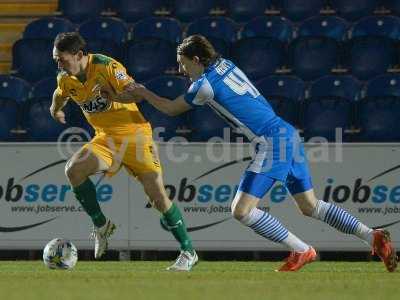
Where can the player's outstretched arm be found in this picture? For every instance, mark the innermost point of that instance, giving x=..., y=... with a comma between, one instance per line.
x=57, y=104
x=167, y=106
x=126, y=96
x=134, y=93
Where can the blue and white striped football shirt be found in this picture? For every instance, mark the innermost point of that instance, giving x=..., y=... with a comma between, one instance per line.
x=228, y=91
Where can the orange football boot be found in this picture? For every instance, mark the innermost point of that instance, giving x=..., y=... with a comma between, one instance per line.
x=297, y=260
x=382, y=246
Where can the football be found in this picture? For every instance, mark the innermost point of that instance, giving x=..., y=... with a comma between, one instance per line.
x=60, y=254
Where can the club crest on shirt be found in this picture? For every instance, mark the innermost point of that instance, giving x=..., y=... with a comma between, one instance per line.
x=120, y=75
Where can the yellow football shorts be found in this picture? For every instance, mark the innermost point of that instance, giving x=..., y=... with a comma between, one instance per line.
x=135, y=151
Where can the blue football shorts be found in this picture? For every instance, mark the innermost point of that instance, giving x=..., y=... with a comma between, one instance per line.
x=279, y=156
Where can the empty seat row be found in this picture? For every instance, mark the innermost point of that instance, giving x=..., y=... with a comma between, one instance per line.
x=335, y=120
x=222, y=28
x=370, y=51
x=240, y=10
x=32, y=119
x=287, y=87
x=331, y=102
x=144, y=59
x=306, y=57
x=326, y=119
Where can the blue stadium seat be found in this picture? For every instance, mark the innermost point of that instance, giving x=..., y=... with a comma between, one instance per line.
x=354, y=9
x=384, y=86
x=287, y=110
x=75, y=118
x=299, y=10
x=270, y=27
x=284, y=93
x=323, y=115
x=335, y=96
x=73, y=113
x=149, y=58
x=14, y=88
x=277, y=4
x=328, y=26
x=378, y=119
x=44, y=88
x=221, y=4
x=158, y=27
x=105, y=28
x=40, y=125
x=313, y=57
x=393, y=5
x=372, y=48
x=205, y=124
x=38, y=64
x=341, y=86
x=111, y=4
x=189, y=10
x=383, y=26
x=133, y=11
x=258, y=57
x=220, y=46
x=47, y=28
x=288, y=87
x=8, y=118
x=77, y=12
x=245, y=10
x=217, y=27
x=169, y=87
x=105, y=47
x=370, y=56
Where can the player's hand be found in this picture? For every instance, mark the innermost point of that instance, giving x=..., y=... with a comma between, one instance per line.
x=104, y=91
x=59, y=116
x=136, y=91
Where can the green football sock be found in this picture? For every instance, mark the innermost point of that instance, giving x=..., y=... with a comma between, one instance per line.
x=177, y=226
x=86, y=195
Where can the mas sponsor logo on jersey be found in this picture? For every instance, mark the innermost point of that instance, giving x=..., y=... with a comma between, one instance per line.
x=99, y=104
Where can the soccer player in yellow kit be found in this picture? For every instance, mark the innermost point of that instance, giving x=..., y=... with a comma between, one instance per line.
x=123, y=138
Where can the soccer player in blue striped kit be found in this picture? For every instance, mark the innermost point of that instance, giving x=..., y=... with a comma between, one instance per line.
x=279, y=153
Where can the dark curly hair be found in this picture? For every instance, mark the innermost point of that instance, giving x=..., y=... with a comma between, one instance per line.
x=71, y=42
x=198, y=45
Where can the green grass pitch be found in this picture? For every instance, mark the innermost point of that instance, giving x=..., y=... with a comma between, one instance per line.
x=209, y=280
